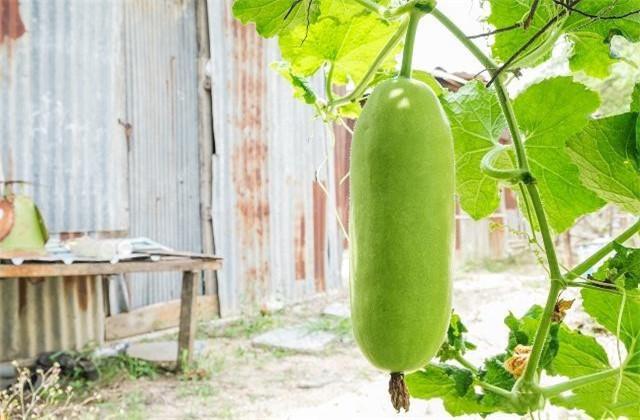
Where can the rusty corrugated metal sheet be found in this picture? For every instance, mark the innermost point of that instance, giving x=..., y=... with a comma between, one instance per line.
x=273, y=222
x=162, y=109
x=61, y=94
x=49, y=315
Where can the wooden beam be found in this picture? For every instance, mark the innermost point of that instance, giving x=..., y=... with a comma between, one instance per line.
x=97, y=269
x=188, y=318
x=156, y=317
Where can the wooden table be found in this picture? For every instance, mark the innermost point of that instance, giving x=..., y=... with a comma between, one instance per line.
x=189, y=266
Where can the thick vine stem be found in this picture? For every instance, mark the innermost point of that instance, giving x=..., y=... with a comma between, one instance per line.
x=488, y=166
x=557, y=389
x=584, y=266
x=557, y=281
x=465, y=363
x=398, y=391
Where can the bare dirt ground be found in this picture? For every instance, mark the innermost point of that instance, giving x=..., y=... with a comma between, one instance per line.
x=247, y=382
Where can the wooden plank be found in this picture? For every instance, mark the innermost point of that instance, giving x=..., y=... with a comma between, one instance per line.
x=94, y=269
x=188, y=318
x=156, y=317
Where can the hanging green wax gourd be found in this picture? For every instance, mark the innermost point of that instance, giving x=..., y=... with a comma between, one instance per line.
x=401, y=225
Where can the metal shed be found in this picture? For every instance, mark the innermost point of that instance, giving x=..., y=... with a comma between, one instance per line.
x=106, y=109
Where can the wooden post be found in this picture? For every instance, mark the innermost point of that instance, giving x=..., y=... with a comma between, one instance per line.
x=188, y=318
x=205, y=141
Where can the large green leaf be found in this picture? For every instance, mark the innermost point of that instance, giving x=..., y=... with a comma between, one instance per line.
x=505, y=13
x=623, y=268
x=345, y=35
x=477, y=124
x=273, y=17
x=616, y=396
x=590, y=54
x=635, y=99
x=629, y=26
x=578, y=354
x=548, y=114
x=606, y=153
x=455, y=387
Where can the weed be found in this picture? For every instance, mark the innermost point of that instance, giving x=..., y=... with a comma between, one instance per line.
x=338, y=326
x=41, y=394
x=112, y=367
x=242, y=328
x=200, y=390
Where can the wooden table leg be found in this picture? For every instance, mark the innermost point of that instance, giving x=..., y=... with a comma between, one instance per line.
x=188, y=318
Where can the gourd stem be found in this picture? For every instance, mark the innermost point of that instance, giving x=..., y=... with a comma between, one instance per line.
x=488, y=166
x=465, y=363
x=409, y=42
x=557, y=389
x=584, y=266
x=557, y=282
x=382, y=55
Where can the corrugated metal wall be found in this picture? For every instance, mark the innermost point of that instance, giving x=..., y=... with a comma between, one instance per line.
x=273, y=222
x=162, y=108
x=61, y=94
x=49, y=315
x=60, y=99
x=98, y=107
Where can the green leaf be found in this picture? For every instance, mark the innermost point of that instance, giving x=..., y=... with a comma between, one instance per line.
x=456, y=342
x=350, y=110
x=606, y=153
x=590, y=54
x=477, y=124
x=549, y=113
x=273, y=17
x=522, y=330
x=597, y=400
x=344, y=35
x=616, y=396
x=301, y=88
x=605, y=309
x=628, y=26
x=635, y=99
x=494, y=373
x=505, y=13
x=578, y=354
x=635, y=107
x=623, y=268
x=455, y=387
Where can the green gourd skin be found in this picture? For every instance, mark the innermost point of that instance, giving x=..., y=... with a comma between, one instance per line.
x=401, y=225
